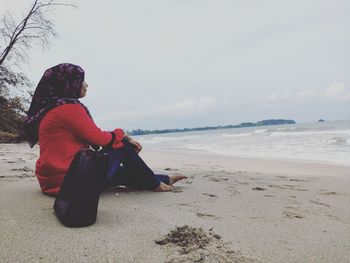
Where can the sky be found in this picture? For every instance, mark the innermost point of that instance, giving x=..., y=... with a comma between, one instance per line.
x=160, y=64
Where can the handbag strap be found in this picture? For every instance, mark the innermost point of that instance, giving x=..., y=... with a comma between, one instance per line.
x=109, y=145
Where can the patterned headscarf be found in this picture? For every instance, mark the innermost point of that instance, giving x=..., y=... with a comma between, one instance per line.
x=59, y=85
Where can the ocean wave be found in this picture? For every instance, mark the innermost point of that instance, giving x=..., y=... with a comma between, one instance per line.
x=338, y=141
x=235, y=135
x=286, y=128
x=311, y=133
x=246, y=134
x=279, y=153
x=162, y=139
x=261, y=131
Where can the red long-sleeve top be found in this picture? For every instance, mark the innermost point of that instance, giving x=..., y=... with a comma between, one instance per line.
x=64, y=131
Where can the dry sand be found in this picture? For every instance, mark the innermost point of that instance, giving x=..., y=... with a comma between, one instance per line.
x=248, y=211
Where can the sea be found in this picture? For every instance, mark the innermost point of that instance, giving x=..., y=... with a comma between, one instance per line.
x=321, y=142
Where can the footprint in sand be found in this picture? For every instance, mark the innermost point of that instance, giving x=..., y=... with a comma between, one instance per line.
x=292, y=212
x=171, y=169
x=256, y=217
x=218, y=179
x=202, y=215
x=301, y=189
x=24, y=175
x=24, y=169
x=185, y=204
x=210, y=195
x=176, y=190
x=298, y=180
x=277, y=186
x=233, y=190
x=326, y=192
x=257, y=188
x=237, y=173
x=255, y=178
x=241, y=183
x=287, y=187
x=317, y=202
x=333, y=217
x=281, y=176
x=215, y=180
x=189, y=180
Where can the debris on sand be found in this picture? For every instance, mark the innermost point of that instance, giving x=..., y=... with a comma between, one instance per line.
x=198, y=245
x=187, y=238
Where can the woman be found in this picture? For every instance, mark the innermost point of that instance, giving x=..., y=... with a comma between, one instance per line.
x=63, y=126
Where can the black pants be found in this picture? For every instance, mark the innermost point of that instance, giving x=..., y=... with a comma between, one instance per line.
x=125, y=167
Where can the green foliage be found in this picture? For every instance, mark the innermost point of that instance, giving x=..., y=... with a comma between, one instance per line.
x=12, y=105
x=274, y=122
x=10, y=80
x=11, y=122
x=6, y=137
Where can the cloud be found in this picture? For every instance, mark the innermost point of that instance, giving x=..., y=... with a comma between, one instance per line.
x=336, y=92
x=307, y=93
x=276, y=96
x=183, y=108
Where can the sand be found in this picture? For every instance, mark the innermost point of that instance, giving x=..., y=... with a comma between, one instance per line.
x=248, y=210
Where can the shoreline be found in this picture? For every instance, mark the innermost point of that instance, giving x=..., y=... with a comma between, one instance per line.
x=252, y=157
x=270, y=165
x=263, y=210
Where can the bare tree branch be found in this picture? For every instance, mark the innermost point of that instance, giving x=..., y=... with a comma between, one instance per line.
x=34, y=28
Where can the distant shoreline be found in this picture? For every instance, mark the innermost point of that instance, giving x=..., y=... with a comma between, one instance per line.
x=242, y=125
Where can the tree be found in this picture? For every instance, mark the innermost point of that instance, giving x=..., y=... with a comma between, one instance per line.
x=35, y=28
x=11, y=122
x=16, y=38
x=12, y=106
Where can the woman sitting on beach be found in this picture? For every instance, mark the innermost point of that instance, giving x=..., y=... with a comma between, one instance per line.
x=63, y=126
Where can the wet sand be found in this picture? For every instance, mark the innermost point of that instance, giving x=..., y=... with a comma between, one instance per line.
x=238, y=210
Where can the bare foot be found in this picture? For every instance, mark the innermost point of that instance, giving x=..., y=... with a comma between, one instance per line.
x=176, y=177
x=163, y=188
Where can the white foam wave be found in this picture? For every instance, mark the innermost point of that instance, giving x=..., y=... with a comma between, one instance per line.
x=286, y=128
x=339, y=141
x=260, y=131
x=311, y=133
x=162, y=139
x=234, y=135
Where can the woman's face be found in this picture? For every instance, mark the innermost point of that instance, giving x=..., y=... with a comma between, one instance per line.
x=83, y=90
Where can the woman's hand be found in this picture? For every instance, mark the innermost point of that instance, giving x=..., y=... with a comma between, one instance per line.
x=137, y=145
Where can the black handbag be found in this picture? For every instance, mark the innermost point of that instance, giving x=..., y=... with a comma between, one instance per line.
x=77, y=201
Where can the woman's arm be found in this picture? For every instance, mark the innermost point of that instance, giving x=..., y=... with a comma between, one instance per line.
x=75, y=119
